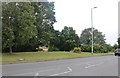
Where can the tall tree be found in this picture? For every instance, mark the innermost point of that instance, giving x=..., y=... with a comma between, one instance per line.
x=69, y=39
x=55, y=39
x=45, y=19
x=18, y=23
x=86, y=37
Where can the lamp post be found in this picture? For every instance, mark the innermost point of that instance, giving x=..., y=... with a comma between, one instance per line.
x=92, y=26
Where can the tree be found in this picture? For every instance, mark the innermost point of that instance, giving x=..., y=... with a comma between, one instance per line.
x=86, y=37
x=45, y=19
x=55, y=41
x=119, y=42
x=68, y=38
x=18, y=24
x=115, y=46
x=27, y=25
x=98, y=41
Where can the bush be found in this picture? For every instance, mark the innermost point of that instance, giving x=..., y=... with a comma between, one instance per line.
x=97, y=48
x=51, y=48
x=86, y=48
x=77, y=49
x=104, y=49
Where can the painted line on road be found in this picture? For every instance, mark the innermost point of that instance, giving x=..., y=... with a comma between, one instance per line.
x=89, y=65
x=37, y=74
x=36, y=71
x=69, y=70
x=62, y=65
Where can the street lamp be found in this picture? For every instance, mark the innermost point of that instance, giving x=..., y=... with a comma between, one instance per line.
x=92, y=25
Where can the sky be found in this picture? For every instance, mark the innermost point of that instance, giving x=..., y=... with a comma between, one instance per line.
x=77, y=14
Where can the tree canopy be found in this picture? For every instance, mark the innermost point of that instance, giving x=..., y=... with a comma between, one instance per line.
x=86, y=37
x=28, y=25
x=69, y=39
x=18, y=24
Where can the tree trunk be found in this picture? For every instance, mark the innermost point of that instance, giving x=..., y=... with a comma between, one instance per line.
x=10, y=50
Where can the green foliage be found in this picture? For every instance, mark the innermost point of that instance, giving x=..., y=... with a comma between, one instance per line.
x=119, y=42
x=18, y=24
x=115, y=46
x=27, y=25
x=68, y=39
x=98, y=40
x=52, y=48
x=86, y=48
x=77, y=50
x=86, y=37
x=97, y=48
x=100, y=48
x=45, y=19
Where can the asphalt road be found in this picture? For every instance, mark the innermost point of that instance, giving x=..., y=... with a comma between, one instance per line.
x=91, y=66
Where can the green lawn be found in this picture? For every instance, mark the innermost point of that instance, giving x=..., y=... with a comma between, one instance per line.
x=42, y=56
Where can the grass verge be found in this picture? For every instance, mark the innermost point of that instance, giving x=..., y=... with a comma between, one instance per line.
x=43, y=56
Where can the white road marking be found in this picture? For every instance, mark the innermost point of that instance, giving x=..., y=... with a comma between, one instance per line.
x=37, y=74
x=60, y=65
x=89, y=65
x=36, y=71
x=69, y=70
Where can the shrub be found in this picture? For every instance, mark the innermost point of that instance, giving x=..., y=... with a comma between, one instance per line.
x=104, y=49
x=97, y=48
x=51, y=48
x=77, y=49
x=86, y=48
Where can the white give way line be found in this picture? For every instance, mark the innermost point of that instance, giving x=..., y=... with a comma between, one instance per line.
x=69, y=70
x=89, y=65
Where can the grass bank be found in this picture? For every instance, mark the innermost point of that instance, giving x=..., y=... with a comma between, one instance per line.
x=43, y=56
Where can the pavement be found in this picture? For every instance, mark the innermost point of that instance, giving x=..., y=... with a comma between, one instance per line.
x=91, y=66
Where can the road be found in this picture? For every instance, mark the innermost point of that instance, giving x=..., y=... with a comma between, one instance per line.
x=91, y=66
